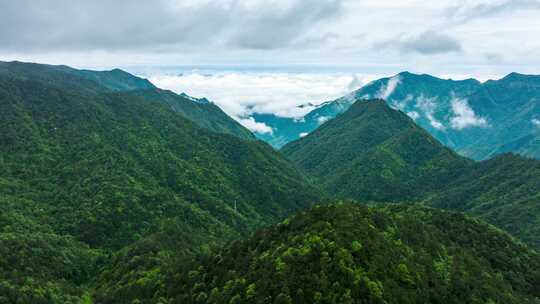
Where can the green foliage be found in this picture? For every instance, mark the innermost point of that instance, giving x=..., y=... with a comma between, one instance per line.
x=201, y=112
x=376, y=154
x=44, y=268
x=410, y=254
x=504, y=190
x=113, y=191
x=95, y=172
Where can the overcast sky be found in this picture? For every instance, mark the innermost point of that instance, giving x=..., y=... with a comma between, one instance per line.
x=447, y=37
x=300, y=50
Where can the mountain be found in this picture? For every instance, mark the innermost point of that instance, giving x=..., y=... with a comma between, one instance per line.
x=202, y=112
x=528, y=145
x=87, y=171
x=350, y=253
x=504, y=190
x=478, y=120
x=375, y=153
x=512, y=105
x=403, y=91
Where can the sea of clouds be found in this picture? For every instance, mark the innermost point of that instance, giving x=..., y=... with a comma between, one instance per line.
x=241, y=93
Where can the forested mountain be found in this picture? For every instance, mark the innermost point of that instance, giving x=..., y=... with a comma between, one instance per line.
x=504, y=190
x=86, y=171
x=478, y=120
x=350, y=253
x=115, y=191
x=202, y=112
x=375, y=153
x=512, y=107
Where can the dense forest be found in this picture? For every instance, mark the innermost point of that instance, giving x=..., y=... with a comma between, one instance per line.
x=115, y=191
x=349, y=253
x=383, y=156
x=86, y=172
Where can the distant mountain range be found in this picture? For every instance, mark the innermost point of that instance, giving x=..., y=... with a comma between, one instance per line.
x=478, y=120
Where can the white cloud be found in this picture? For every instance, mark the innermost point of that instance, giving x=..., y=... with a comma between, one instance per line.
x=323, y=119
x=536, y=122
x=242, y=93
x=402, y=104
x=304, y=134
x=414, y=115
x=125, y=33
x=355, y=84
x=464, y=116
x=428, y=106
x=387, y=90
x=254, y=126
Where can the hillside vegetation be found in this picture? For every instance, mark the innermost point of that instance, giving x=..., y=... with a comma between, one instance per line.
x=378, y=154
x=349, y=253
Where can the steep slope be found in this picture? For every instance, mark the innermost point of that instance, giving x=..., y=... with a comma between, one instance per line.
x=512, y=104
x=115, y=80
x=375, y=153
x=107, y=169
x=528, y=146
x=118, y=150
x=504, y=190
x=355, y=254
x=66, y=77
x=202, y=112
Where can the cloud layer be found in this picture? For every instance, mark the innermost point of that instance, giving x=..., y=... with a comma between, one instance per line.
x=458, y=38
x=160, y=25
x=241, y=93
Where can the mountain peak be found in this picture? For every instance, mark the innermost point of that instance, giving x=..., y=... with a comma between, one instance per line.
x=371, y=141
x=370, y=106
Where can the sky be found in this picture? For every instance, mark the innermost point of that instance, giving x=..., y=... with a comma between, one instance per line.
x=273, y=54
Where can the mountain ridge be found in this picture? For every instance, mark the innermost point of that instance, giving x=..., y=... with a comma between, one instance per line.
x=378, y=154
x=202, y=112
x=459, y=113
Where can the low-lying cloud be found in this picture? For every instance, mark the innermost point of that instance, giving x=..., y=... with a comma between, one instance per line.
x=239, y=93
x=388, y=89
x=254, y=126
x=464, y=116
x=428, y=106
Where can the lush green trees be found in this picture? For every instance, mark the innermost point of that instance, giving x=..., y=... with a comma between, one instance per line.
x=109, y=194
x=349, y=253
x=90, y=171
x=376, y=154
